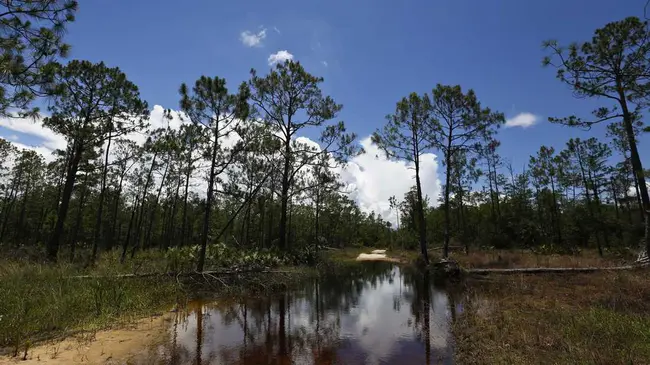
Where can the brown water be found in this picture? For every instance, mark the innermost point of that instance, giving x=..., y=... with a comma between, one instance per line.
x=383, y=316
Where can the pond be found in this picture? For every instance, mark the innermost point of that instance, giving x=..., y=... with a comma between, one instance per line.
x=386, y=315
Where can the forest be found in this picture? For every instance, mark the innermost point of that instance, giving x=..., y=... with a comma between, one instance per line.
x=227, y=183
x=227, y=168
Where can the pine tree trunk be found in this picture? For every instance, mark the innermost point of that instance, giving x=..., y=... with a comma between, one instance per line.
x=422, y=228
x=154, y=209
x=284, y=197
x=185, y=194
x=53, y=243
x=590, y=208
x=23, y=233
x=556, y=214
x=9, y=205
x=172, y=230
x=77, y=225
x=208, y=204
x=100, y=208
x=115, y=214
x=125, y=246
x=636, y=165
x=138, y=232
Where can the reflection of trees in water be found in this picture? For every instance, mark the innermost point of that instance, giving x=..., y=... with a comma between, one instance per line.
x=277, y=339
x=302, y=326
x=421, y=308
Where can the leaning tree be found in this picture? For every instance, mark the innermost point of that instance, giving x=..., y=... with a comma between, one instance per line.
x=92, y=102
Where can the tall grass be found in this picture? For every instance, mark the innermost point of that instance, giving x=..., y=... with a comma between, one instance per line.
x=597, y=318
x=40, y=301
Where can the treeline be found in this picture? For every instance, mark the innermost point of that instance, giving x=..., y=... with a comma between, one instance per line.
x=263, y=188
x=564, y=199
x=234, y=171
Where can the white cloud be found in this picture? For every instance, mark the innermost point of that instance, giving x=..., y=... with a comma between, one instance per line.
x=277, y=30
x=46, y=140
x=373, y=179
x=325, y=63
x=279, y=56
x=251, y=39
x=523, y=120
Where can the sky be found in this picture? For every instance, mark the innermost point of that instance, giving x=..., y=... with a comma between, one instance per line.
x=370, y=53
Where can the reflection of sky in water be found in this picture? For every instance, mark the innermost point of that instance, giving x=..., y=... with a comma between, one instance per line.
x=379, y=329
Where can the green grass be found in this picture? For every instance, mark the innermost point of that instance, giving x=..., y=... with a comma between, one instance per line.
x=42, y=301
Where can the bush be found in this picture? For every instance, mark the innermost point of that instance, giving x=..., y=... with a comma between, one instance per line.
x=219, y=256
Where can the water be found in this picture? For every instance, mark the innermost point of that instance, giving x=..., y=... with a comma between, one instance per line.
x=384, y=316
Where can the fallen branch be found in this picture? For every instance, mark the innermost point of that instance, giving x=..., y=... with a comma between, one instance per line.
x=183, y=274
x=438, y=248
x=541, y=270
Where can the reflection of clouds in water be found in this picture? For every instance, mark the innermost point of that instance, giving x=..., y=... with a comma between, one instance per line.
x=439, y=320
x=375, y=324
x=375, y=330
x=383, y=331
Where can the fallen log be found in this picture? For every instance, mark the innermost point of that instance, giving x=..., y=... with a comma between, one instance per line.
x=541, y=270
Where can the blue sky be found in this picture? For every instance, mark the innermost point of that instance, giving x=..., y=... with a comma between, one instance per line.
x=376, y=51
x=371, y=53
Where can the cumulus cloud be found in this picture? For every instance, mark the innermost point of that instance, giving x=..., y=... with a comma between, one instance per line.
x=523, y=120
x=279, y=57
x=373, y=179
x=251, y=39
x=45, y=140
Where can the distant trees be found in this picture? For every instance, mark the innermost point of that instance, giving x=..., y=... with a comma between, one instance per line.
x=234, y=167
x=451, y=122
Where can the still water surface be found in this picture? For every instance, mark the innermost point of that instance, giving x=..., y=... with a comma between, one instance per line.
x=384, y=316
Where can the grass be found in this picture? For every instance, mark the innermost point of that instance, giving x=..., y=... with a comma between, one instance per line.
x=496, y=258
x=526, y=258
x=597, y=318
x=41, y=301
